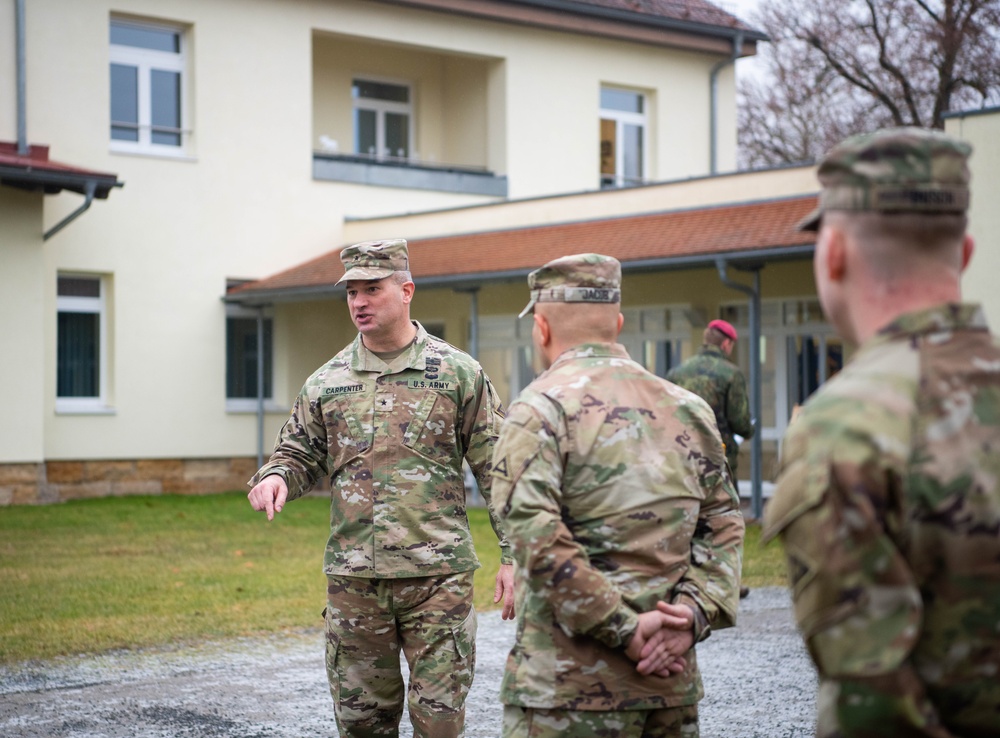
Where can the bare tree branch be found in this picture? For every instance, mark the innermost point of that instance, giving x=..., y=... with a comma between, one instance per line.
x=838, y=67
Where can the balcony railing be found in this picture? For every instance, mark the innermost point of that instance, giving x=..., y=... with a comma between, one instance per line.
x=404, y=173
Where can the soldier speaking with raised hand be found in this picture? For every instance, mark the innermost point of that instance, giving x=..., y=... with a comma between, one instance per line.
x=625, y=525
x=888, y=500
x=389, y=420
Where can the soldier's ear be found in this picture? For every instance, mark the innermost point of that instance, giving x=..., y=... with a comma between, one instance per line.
x=543, y=328
x=407, y=288
x=621, y=322
x=835, y=263
x=968, y=248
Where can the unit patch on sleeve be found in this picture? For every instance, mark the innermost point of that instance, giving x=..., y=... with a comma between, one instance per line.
x=500, y=469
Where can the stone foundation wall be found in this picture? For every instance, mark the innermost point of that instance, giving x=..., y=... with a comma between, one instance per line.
x=58, y=481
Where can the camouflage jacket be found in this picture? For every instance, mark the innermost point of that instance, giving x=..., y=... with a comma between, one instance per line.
x=392, y=438
x=613, y=487
x=713, y=377
x=888, y=505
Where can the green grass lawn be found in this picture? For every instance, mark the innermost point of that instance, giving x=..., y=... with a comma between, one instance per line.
x=94, y=575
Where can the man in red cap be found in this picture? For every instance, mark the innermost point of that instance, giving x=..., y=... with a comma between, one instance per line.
x=711, y=375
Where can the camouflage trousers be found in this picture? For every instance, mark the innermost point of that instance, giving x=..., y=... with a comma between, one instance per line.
x=369, y=622
x=671, y=722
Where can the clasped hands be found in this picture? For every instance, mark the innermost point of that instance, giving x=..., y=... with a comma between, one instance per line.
x=661, y=639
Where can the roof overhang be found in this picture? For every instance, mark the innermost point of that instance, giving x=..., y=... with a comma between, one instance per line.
x=35, y=172
x=742, y=235
x=474, y=280
x=51, y=183
x=712, y=32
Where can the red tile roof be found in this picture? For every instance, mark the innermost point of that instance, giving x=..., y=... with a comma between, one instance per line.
x=658, y=240
x=35, y=170
x=695, y=11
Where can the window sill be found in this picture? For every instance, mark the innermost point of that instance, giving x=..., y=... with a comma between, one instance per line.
x=244, y=406
x=82, y=406
x=152, y=153
x=408, y=176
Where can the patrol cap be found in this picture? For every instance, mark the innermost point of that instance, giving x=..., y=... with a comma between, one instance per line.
x=576, y=278
x=908, y=169
x=374, y=259
x=724, y=327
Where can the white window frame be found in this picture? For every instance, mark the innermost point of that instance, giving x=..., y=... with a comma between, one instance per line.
x=779, y=333
x=249, y=404
x=381, y=107
x=639, y=330
x=146, y=60
x=509, y=333
x=621, y=119
x=89, y=305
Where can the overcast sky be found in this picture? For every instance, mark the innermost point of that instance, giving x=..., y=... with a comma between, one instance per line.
x=741, y=8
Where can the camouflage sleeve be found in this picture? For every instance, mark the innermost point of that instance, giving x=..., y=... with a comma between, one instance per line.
x=527, y=493
x=482, y=419
x=856, y=601
x=300, y=450
x=738, y=406
x=711, y=584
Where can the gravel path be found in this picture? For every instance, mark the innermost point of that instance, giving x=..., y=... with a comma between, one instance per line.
x=758, y=683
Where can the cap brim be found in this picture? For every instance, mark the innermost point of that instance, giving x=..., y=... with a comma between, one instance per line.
x=529, y=308
x=811, y=221
x=365, y=273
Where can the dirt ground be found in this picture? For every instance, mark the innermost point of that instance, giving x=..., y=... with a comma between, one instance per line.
x=758, y=683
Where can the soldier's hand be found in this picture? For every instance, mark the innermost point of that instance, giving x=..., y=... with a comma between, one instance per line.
x=269, y=495
x=661, y=639
x=505, y=590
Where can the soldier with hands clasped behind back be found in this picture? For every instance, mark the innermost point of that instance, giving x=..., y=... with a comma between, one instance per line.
x=625, y=525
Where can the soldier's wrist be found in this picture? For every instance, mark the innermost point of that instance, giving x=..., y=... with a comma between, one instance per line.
x=618, y=629
x=700, y=627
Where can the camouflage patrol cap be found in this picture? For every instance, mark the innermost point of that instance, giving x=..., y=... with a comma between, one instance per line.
x=576, y=278
x=894, y=170
x=374, y=259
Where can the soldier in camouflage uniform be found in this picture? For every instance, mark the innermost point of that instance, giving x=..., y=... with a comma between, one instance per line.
x=888, y=501
x=389, y=420
x=711, y=375
x=612, y=484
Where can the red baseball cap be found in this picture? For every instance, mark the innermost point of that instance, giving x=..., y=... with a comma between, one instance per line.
x=724, y=328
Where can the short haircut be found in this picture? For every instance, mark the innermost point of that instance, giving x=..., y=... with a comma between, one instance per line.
x=714, y=337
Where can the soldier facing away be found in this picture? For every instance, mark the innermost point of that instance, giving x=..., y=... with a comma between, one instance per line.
x=888, y=501
x=711, y=375
x=625, y=525
x=389, y=420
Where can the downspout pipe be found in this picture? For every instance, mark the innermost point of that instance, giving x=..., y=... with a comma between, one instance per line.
x=713, y=115
x=756, y=500
x=89, y=188
x=260, y=386
x=22, y=118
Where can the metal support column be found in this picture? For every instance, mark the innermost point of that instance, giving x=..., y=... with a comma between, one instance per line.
x=756, y=498
x=260, y=387
x=473, y=320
